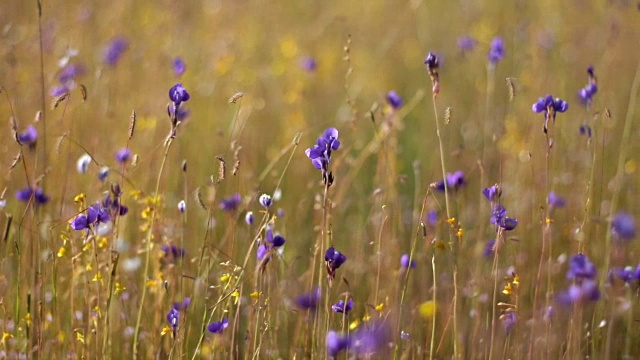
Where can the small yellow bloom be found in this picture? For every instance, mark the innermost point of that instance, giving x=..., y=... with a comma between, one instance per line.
x=236, y=296
x=119, y=288
x=451, y=221
x=103, y=242
x=460, y=233
x=62, y=251
x=225, y=278
x=166, y=329
x=27, y=319
x=366, y=318
x=379, y=307
x=5, y=337
x=427, y=309
x=255, y=294
x=97, y=277
x=79, y=336
x=151, y=283
x=146, y=213
x=549, y=220
x=516, y=280
x=135, y=194
x=79, y=198
x=508, y=290
x=354, y=324
x=86, y=247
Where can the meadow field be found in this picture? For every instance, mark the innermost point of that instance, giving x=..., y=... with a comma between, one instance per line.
x=320, y=180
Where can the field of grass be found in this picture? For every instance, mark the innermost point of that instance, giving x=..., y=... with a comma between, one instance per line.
x=307, y=179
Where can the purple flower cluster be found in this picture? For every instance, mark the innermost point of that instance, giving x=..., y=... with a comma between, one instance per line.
x=179, y=67
x=498, y=212
x=95, y=215
x=406, y=262
x=172, y=253
x=556, y=201
x=627, y=274
x=320, y=154
x=454, y=182
x=584, y=287
x=173, y=317
x=342, y=307
x=333, y=260
x=178, y=95
x=67, y=79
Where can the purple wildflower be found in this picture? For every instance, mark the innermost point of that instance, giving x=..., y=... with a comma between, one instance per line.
x=178, y=94
x=265, y=200
x=580, y=267
x=309, y=301
x=70, y=72
x=404, y=262
x=550, y=107
x=248, y=218
x=173, y=317
x=336, y=343
x=333, y=259
x=432, y=61
x=508, y=320
x=172, y=253
x=179, y=67
x=628, y=274
x=308, y=64
x=320, y=154
x=466, y=43
x=182, y=206
x=59, y=90
x=623, y=226
x=103, y=173
x=587, y=93
x=80, y=222
x=219, y=326
x=432, y=217
x=371, y=339
x=262, y=251
x=38, y=194
x=492, y=193
x=116, y=47
x=231, y=203
x=340, y=306
x=496, y=51
x=556, y=201
x=489, y=248
x=123, y=155
x=454, y=181
x=394, y=99
x=29, y=136
x=585, y=290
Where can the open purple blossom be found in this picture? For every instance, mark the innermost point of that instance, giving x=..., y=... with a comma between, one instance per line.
x=496, y=50
x=39, y=197
x=178, y=94
x=116, y=47
x=500, y=220
x=95, y=214
x=556, y=201
x=262, y=251
x=320, y=154
x=308, y=301
x=580, y=267
x=179, y=67
x=103, y=173
x=265, y=200
x=182, y=305
x=492, y=193
x=336, y=343
x=219, y=326
x=466, y=43
x=112, y=202
x=549, y=106
x=333, y=259
x=231, y=203
x=623, y=226
x=394, y=100
x=29, y=136
x=341, y=307
x=406, y=262
x=123, y=155
x=455, y=181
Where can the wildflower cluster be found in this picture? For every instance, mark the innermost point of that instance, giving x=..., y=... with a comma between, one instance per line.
x=320, y=154
x=454, y=181
x=268, y=245
x=584, y=287
x=364, y=343
x=333, y=260
x=498, y=212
